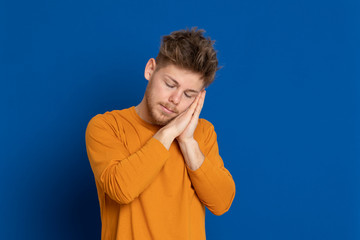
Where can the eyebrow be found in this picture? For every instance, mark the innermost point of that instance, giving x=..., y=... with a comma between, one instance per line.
x=176, y=82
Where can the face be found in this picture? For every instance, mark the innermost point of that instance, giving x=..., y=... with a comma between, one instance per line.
x=170, y=91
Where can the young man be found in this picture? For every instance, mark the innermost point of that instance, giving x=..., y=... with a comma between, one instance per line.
x=157, y=165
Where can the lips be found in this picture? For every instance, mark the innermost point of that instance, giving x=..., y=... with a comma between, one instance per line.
x=167, y=109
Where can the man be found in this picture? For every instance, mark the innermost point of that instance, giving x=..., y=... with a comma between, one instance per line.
x=157, y=165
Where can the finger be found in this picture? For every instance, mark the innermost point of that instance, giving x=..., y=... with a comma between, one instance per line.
x=200, y=104
x=195, y=117
x=191, y=110
x=188, y=113
x=193, y=106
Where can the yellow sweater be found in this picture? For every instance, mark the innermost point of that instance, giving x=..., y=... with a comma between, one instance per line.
x=146, y=191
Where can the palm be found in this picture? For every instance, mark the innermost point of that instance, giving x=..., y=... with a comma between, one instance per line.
x=189, y=130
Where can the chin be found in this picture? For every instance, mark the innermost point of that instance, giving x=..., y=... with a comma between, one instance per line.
x=162, y=122
x=159, y=119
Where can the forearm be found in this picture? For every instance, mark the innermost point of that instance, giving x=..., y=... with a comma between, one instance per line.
x=214, y=186
x=125, y=179
x=192, y=154
x=121, y=173
x=165, y=136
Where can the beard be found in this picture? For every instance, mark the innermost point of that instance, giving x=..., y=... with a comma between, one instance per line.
x=158, y=117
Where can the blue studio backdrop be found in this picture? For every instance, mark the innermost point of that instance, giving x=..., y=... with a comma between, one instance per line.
x=285, y=107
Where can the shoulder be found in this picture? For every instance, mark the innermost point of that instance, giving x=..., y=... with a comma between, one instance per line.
x=108, y=120
x=205, y=125
x=205, y=129
x=111, y=116
x=102, y=118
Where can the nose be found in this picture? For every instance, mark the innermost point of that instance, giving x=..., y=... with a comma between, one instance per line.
x=175, y=97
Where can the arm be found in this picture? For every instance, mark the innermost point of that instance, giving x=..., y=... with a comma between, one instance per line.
x=121, y=175
x=212, y=182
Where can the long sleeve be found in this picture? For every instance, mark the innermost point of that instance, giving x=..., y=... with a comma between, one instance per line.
x=121, y=174
x=212, y=182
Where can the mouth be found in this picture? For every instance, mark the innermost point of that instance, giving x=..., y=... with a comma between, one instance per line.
x=167, y=110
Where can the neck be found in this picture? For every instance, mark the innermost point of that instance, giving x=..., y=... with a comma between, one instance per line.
x=142, y=110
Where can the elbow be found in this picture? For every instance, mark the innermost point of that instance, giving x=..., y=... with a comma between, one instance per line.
x=222, y=208
x=116, y=189
x=219, y=212
x=118, y=194
x=224, y=205
x=121, y=198
x=124, y=200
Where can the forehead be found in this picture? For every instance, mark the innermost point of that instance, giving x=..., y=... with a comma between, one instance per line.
x=184, y=77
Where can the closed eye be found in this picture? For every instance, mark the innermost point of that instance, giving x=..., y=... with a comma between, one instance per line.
x=188, y=96
x=169, y=85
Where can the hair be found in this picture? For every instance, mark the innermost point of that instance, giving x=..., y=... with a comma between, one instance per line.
x=189, y=49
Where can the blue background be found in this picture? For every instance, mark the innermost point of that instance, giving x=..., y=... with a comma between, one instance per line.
x=285, y=107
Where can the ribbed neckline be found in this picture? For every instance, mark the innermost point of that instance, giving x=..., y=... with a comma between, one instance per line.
x=141, y=121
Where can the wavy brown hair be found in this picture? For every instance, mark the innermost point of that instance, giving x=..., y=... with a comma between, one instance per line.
x=189, y=49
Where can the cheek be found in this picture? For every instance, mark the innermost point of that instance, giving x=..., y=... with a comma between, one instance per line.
x=189, y=101
x=186, y=103
x=159, y=93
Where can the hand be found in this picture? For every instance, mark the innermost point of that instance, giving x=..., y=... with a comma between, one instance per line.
x=184, y=124
x=180, y=123
x=188, y=133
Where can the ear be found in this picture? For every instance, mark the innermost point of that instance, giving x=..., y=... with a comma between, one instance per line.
x=150, y=68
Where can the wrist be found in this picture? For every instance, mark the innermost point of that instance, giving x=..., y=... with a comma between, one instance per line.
x=192, y=154
x=186, y=141
x=165, y=136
